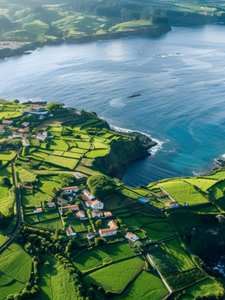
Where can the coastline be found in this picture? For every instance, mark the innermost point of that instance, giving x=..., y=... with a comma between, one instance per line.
x=149, y=32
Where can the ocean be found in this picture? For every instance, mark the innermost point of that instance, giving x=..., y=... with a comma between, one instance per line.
x=180, y=76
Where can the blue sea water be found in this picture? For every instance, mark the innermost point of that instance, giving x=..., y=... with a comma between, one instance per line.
x=180, y=76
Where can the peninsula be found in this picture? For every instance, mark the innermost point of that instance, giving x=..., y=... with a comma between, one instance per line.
x=70, y=229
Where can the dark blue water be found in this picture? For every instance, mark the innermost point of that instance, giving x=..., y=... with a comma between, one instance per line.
x=182, y=102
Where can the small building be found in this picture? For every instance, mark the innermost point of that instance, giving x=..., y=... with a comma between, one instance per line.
x=2, y=130
x=7, y=122
x=108, y=214
x=25, y=124
x=78, y=113
x=26, y=129
x=38, y=210
x=90, y=235
x=70, y=190
x=80, y=214
x=70, y=232
x=97, y=213
x=41, y=138
x=88, y=195
x=96, y=204
x=108, y=232
x=27, y=187
x=50, y=204
x=41, y=117
x=3, y=126
x=77, y=175
x=62, y=201
x=112, y=224
x=172, y=204
x=45, y=133
x=66, y=208
x=132, y=237
x=142, y=200
x=25, y=142
x=35, y=105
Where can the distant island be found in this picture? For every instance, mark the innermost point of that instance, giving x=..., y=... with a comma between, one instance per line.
x=70, y=229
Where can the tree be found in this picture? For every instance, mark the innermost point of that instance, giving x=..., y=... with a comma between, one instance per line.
x=101, y=186
x=221, y=219
x=5, y=181
x=98, y=223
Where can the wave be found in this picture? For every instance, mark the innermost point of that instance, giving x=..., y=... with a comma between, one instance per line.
x=152, y=150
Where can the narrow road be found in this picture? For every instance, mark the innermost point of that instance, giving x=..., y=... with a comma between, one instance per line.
x=18, y=208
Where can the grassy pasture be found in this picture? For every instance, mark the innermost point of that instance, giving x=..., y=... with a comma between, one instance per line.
x=97, y=153
x=128, y=193
x=146, y=286
x=98, y=145
x=58, y=145
x=3, y=239
x=183, y=192
x=115, y=277
x=63, y=162
x=16, y=263
x=36, y=27
x=72, y=154
x=92, y=259
x=217, y=191
x=34, y=142
x=208, y=286
x=12, y=288
x=202, y=184
x=10, y=114
x=175, y=253
x=7, y=155
x=76, y=223
x=36, y=199
x=83, y=145
x=119, y=251
x=26, y=176
x=130, y=26
x=48, y=216
x=141, y=191
x=181, y=280
x=47, y=183
x=51, y=224
x=77, y=150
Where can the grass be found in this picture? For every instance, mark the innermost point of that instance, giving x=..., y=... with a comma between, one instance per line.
x=208, y=286
x=183, y=192
x=146, y=286
x=181, y=280
x=128, y=193
x=202, y=184
x=177, y=255
x=3, y=239
x=36, y=199
x=58, y=145
x=217, y=191
x=47, y=183
x=115, y=277
x=12, y=288
x=92, y=259
x=83, y=145
x=72, y=154
x=9, y=114
x=76, y=223
x=36, y=27
x=16, y=263
x=140, y=191
x=158, y=231
x=51, y=224
x=119, y=251
x=7, y=155
x=63, y=162
x=97, y=153
x=48, y=216
x=34, y=142
x=125, y=26
x=26, y=176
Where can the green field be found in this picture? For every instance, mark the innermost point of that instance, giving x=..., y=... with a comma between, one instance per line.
x=208, y=286
x=130, y=26
x=217, y=191
x=115, y=277
x=51, y=224
x=183, y=192
x=7, y=155
x=177, y=255
x=63, y=162
x=26, y=176
x=202, y=184
x=119, y=251
x=58, y=145
x=3, y=239
x=92, y=259
x=16, y=263
x=36, y=199
x=72, y=154
x=47, y=183
x=128, y=193
x=158, y=231
x=146, y=286
x=9, y=289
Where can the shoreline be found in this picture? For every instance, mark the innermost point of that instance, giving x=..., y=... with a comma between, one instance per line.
x=147, y=32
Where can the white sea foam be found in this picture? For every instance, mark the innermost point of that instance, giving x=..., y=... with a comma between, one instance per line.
x=117, y=103
x=223, y=155
x=152, y=150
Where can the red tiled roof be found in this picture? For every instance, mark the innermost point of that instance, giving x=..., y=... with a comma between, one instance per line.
x=69, y=230
x=85, y=198
x=25, y=123
x=131, y=235
x=107, y=230
x=87, y=192
x=51, y=203
x=38, y=209
x=70, y=207
x=2, y=126
x=89, y=202
x=96, y=201
x=108, y=214
x=35, y=105
x=40, y=136
x=70, y=188
x=97, y=212
x=79, y=213
x=7, y=121
x=112, y=224
x=90, y=234
x=171, y=202
x=62, y=200
x=27, y=187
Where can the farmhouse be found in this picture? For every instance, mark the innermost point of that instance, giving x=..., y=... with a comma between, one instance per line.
x=24, y=129
x=112, y=224
x=41, y=138
x=96, y=204
x=66, y=208
x=97, y=213
x=80, y=214
x=90, y=235
x=25, y=142
x=41, y=117
x=78, y=113
x=88, y=195
x=108, y=232
x=70, y=190
x=62, y=201
x=77, y=175
x=108, y=214
x=172, y=204
x=7, y=122
x=38, y=210
x=70, y=232
x=50, y=204
x=132, y=237
x=25, y=124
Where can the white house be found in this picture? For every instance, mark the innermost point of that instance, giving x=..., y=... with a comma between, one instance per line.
x=62, y=201
x=172, y=204
x=25, y=142
x=7, y=122
x=80, y=214
x=70, y=190
x=50, y=204
x=96, y=204
x=90, y=235
x=108, y=232
x=25, y=124
x=88, y=195
x=97, y=213
x=41, y=117
x=132, y=237
x=41, y=137
x=38, y=210
x=66, y=208
x=70, y=232
x=26, y=129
